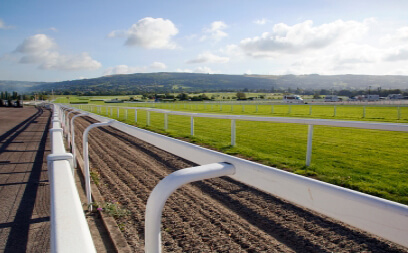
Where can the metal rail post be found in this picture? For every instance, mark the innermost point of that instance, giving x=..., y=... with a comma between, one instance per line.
x=67, y=129
x=233, y=133
x=86, y=160
x=192, y=126
x=399, y=112
x=309, y=145
x=63, y=109
x=166, y=121
x=135, y=115
x=165, y=188
x=148, y=118
x=65, y=118
x=73, y=146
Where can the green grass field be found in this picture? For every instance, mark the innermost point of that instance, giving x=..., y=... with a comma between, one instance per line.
x=339, y=112
x=370, y=161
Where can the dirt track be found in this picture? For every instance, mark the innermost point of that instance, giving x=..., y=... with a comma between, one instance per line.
x=218, y=215
x=24, y=187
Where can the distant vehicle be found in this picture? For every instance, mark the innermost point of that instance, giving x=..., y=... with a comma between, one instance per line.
x=371, y=97
x=293, y=99
x=395, y=96
x=332, y=98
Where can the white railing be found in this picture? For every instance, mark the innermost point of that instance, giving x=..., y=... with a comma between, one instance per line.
x=69, y=228
x=233, y=118
x=381, y=217
x=165, y=188
x=85, y=156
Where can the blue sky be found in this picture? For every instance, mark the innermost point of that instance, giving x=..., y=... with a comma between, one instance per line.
x=46, y=40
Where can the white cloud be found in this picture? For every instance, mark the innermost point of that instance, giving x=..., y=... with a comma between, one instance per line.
x=345, y=59
x=4, y=26
x=41, y=49
x=158, y=65
x=354, y=53
x=215, y=31
x=400, y=35
x=39, y=43
x=124, y=69
x=150, y=33
x=184, y=70
x=397, y=54
x=398, y=71
x=117, y=33
x=232, y=50
x=210, y=58
x=121, y=69
x=285, y=39
x=261, y=21
x=202, y=70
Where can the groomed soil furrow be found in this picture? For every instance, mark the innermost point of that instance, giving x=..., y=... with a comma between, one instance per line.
x=187, y=197
x=218, y=215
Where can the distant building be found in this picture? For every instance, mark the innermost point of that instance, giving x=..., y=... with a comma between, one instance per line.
x=395, y=96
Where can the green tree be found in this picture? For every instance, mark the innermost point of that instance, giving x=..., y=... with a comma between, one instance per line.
x=240, y=96
x=204, y=97
x=182, y=96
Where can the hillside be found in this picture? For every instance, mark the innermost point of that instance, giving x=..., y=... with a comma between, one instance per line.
x=159, y=82
x=190, y=82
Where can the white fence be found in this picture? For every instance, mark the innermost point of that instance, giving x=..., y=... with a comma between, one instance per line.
x=69, y=228
x=378, y=216
x=310, y=122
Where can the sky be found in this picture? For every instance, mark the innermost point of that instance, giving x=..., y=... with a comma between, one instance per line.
x=48, y=40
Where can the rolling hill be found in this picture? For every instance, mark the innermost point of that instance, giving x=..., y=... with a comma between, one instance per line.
x=192, y=82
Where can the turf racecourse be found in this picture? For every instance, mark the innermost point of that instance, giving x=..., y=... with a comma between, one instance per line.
x=369, y=161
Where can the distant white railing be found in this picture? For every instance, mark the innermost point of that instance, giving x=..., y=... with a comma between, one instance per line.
x=233, y=118
x=381, y=217
x=69, y=228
